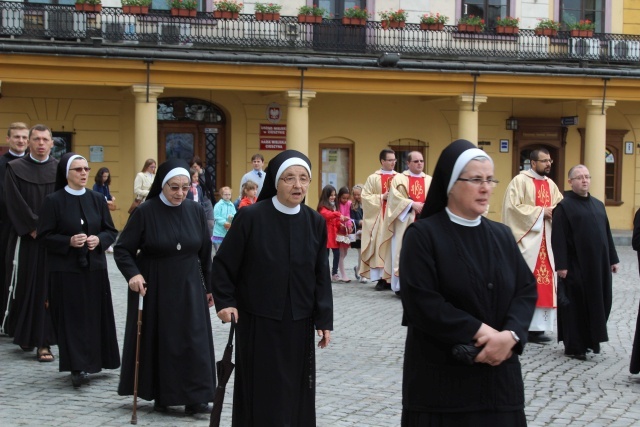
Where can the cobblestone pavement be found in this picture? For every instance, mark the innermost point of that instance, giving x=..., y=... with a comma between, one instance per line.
x=359, y=375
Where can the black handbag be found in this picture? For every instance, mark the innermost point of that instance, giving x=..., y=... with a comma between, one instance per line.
x=465, y=353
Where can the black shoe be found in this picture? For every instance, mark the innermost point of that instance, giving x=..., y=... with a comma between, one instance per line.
x=160, y=408
x=197, y=408
x=580, y=356
x=381, y=285
x=78, y=378
x=538, y=337
x=398, y=293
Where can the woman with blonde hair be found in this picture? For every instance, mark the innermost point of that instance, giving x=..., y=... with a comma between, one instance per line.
x=142, y=183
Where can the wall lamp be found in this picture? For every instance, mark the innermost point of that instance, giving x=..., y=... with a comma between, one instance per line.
x=512, y=123
x=388, y=59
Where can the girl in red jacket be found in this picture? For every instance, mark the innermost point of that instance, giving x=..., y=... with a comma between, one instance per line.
x=333, y=217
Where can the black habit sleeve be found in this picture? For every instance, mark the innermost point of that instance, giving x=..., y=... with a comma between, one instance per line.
x=130, y=240
x=20, y=213
x=560, y=238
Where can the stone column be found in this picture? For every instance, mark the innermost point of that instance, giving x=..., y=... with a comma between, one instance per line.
x=146, y=124
x=298, y=120
x=468, y=117
x=595, y=144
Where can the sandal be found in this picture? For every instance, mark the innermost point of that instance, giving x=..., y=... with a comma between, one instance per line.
x=44, y=355
x=26, y=348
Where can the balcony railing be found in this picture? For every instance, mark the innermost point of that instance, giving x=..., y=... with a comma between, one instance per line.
x=38, y=22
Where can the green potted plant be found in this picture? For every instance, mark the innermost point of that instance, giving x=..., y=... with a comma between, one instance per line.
x=227, y=9
x=268, y=11
x=89, y=5
x=393, y=19
x=470, y=24
x=433, y=21
x=507, y=25
x=311, y=14
x=183, y=7
x=136, y=7
x=582, y=28
x=355, y=16
x=547, y=27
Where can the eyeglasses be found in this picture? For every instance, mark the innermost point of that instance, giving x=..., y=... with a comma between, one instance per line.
x=80, y=169
x=176, y=188
x=479, y=181
x=544, y=161
x=581, y=177
x=291, y=180
x=390, y=160
x=417, y=161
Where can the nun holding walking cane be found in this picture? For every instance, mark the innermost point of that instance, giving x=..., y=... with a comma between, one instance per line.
x=164, y=252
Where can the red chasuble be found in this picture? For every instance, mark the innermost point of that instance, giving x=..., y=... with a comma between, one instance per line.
x=543, y=271
x=385, y=182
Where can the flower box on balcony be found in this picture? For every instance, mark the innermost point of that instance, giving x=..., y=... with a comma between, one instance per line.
x=267, y=16
x=392, y=24
x=466, y=28
x=183, y=12
x=223, y=14
x=548, y=32
x=502, y=29
x=431, y=27
x=354, y=21
x=86, y=7
x=309, y=19
x=135, y=10
x=581, y=33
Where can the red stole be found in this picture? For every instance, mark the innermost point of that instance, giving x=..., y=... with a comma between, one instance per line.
x=543, y=271
x=385, y=183
x=417, y=192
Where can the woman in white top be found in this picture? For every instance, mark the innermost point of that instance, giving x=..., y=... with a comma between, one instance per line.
x=144, y=179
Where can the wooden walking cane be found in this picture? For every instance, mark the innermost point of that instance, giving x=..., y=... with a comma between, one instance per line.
x=134, y=416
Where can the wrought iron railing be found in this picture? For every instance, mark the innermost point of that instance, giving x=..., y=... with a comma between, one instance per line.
x=30, y=22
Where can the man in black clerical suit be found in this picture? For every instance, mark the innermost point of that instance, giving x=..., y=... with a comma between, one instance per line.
x=17, y=138
x=27, y=182
x=585, y=258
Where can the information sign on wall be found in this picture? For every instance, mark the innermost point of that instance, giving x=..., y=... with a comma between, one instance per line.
x=273, y=137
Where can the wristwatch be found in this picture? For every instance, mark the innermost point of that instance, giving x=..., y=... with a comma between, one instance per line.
x=515, y=337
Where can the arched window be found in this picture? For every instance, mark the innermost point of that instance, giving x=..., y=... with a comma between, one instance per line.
x=189, y=109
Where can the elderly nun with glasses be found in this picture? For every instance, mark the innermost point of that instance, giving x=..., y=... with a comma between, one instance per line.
x=164, y=253
x=272, y=273
x=76, y=229
x=468, y=298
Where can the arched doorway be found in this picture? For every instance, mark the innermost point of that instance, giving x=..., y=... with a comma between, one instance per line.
x=191, y=127
x=540, y=133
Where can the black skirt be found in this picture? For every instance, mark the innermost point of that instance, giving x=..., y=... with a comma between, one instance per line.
x=82, y=315
x=275, y=371
x=462, y=419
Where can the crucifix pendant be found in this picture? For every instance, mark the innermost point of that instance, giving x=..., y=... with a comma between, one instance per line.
x=178, y=247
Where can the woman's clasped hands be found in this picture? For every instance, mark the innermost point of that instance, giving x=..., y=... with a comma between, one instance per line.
x=497, y=345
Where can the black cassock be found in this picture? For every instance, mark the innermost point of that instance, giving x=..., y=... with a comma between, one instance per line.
x=582, y=244
x=5, y=228
x=273, y=268
x=634, y=367
x=26, y=185
x=80, y=296
x=177, y=362
x=454, y=278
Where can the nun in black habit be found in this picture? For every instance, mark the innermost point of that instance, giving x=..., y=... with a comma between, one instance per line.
x=463, y=281
x=164, y=252
x=272, y=272
x=76, y=228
